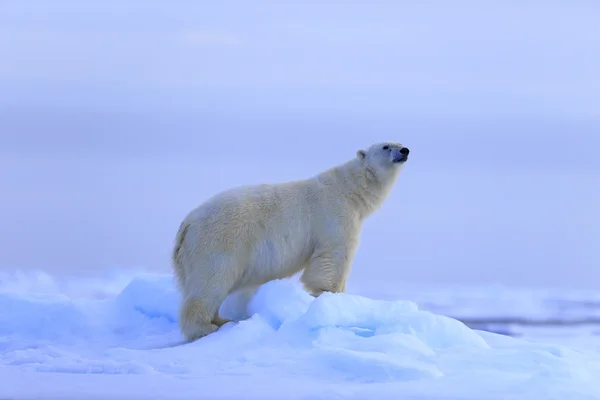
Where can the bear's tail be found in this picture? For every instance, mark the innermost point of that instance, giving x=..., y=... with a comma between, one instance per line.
x=176, y=255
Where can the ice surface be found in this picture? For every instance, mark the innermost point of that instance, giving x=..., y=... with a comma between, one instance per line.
x=82, y=341
x=496, y=301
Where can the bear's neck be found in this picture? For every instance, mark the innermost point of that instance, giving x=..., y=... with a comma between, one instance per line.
x=360, y=184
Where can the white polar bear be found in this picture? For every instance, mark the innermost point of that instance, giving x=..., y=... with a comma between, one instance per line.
x=244, y=237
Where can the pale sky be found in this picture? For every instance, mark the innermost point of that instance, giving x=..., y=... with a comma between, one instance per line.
x=117, y=118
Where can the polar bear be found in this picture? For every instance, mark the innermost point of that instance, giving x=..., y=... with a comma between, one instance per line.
x=246, y=236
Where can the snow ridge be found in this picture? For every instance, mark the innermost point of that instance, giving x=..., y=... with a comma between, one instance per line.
x=341, y=341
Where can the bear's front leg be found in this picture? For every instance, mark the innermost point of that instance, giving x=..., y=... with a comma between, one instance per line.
x=328, y=269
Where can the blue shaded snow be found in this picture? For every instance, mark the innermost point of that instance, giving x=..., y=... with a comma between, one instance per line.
x=335, y=338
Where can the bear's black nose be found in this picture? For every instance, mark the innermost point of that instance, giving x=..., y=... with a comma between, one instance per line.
x=404, y=151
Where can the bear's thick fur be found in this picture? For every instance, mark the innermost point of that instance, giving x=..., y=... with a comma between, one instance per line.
x=246, y=236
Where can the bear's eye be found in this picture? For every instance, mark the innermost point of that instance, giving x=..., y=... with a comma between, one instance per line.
x=386, y=147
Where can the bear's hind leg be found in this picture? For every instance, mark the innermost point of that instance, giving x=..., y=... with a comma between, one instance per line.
x=199, y=313
x=207, y=285
x=219, y=321
x=195, y=319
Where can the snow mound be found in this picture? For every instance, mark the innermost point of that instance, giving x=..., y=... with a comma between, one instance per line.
x=335, y=339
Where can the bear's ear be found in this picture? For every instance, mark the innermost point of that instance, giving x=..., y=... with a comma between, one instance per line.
x=361, y=154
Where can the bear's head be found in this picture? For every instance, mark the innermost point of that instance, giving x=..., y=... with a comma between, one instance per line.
x=386, y=156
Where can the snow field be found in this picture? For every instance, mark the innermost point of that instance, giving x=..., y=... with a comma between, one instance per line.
x=350, y=345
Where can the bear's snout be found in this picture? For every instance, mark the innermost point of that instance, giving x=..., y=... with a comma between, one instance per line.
x=399, y=156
